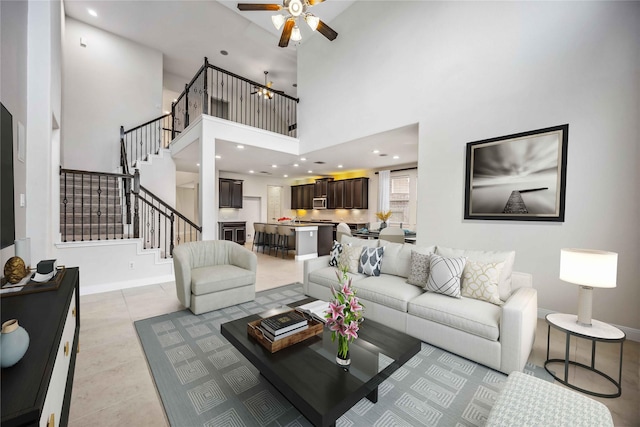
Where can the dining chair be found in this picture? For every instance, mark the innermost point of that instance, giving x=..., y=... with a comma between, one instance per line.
x=342, y=230
x=392, y=234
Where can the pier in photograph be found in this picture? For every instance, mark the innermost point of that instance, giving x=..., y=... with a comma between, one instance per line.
x=515, y=204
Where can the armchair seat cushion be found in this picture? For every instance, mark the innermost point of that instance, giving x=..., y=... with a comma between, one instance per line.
x=467, y=314
x=205, y=280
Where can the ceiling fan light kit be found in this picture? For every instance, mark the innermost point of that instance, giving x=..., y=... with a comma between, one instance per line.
x=294, y=8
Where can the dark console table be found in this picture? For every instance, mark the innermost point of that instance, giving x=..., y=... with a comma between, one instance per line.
x=37, y=389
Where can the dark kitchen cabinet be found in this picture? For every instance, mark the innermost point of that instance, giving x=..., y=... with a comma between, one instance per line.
x=230, y=194
x=336, y=195
x=321, y=187
x=235, y=231
x=302, y=196
x=360, y=193
x=295, y=197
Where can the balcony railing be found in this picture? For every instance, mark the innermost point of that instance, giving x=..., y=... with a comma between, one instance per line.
x=220, y=93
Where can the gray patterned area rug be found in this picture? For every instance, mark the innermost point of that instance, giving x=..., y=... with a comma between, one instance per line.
x=203, y=381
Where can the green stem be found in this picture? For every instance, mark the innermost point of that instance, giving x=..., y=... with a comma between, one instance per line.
x=343, y=346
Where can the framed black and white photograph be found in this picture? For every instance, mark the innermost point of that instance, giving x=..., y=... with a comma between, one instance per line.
x=518, y=177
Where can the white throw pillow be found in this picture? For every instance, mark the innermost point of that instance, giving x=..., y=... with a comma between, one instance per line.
x=480, y=281
x=444, y=275
x=351, y=257
x=397, y=257
x=508, y=257
x=370, y=260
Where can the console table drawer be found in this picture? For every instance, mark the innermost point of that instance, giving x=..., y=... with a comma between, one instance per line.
x=52, y=409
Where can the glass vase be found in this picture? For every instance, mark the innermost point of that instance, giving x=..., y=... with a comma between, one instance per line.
x=342, y=358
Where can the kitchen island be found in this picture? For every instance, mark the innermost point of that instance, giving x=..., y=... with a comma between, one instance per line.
x=312, y=239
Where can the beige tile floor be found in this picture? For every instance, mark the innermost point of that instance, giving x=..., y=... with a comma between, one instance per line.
x=113, y=387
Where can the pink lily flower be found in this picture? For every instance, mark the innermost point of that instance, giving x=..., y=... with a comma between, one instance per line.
x=346, y=289
x=336, y=310
x=354, y=305
x=351, y=330
x=336, y=326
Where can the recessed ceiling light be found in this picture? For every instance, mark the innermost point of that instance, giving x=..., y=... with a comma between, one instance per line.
x=175, y=99
x=285, y=176
x=339, y=166
x=218, y=156
x=251, y=172
x=303, y=159
x=396, y=157
x=240, y=147
x=197, y=164
x=224, y=52
x=274, y=166
x=92, y=12
x=295, y=165
x=376, y=151
x=310, y=171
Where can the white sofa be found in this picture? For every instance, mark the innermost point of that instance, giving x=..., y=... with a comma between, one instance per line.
x=213, y=274
x=500, y=337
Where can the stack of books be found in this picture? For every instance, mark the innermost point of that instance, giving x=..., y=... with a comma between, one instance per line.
x=283, y=325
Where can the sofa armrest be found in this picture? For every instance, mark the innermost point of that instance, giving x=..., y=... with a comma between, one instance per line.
x=182, y=272
x=518, y=329
x=311, y=265
x=243, y=258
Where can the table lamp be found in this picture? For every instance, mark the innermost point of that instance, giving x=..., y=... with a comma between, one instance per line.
x=590, y=269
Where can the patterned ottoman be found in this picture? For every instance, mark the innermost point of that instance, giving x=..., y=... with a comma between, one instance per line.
x=528, y=401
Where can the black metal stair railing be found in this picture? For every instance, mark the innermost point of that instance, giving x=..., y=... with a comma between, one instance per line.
x=161, y=226
x=217, y=92
x=98, y=206
x=145, y=139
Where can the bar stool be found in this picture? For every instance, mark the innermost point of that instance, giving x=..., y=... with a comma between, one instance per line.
x=284, y=232
x=258, y=236
x=270, y=237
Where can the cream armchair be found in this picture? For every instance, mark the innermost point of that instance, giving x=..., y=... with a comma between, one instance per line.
x=213, y=274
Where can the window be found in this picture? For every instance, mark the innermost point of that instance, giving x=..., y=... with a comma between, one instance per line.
x=399, y=199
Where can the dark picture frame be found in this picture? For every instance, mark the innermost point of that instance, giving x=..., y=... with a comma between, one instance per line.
x=519, y=177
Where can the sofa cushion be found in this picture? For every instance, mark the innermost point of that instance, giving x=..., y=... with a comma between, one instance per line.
x=370, y=258
x=508, y=257
x=466, y=314
x=419, y=272
x=480, y=281
x=444, y=275
x=336, y=250
x=205, y=280
x=397, y=257
x=390, y=291
x=326, y=276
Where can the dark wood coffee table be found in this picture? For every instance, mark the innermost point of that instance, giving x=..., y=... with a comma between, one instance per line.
x=307, y=374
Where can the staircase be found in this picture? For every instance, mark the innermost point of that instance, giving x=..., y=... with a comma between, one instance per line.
x=91, y=207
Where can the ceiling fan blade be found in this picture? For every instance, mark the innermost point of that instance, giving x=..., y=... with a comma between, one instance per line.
x=326, y=31
x=258, y=6
x=286, y=32
x=314, y=2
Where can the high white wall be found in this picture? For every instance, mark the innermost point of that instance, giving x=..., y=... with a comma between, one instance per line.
x=111, y=82
x=13, y=94
x=466, y=71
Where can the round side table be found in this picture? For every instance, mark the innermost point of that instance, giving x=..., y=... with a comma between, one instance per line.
x=598, y=331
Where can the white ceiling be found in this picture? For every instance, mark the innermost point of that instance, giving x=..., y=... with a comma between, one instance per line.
x=187, y=31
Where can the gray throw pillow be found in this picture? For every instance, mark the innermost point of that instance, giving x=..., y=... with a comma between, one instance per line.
x=444, y=275
x=336, y=250
x=419, y=270
x=370, y=260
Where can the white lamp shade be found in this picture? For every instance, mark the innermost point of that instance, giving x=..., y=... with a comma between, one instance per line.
x=295, y=34
x=278, y=21
x=312, y=21
x=589, y=267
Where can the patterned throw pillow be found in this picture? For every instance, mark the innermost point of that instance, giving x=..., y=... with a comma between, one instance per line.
x=419, y=269
x=351, y=257
x=444, y=275
x=336, y=250
x=370, y=260
x=480, y=281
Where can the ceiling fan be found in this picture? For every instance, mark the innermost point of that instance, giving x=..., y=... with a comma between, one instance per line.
x=293, y=9
x=265, y=92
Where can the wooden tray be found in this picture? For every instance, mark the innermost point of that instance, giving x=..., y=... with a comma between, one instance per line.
x=31, y=287
x=315, y=328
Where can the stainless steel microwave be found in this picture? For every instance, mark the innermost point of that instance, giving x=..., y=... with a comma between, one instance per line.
x=320, y=203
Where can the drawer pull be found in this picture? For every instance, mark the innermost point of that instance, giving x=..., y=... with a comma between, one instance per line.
x=66, y=348
x=73, y=312
x=52, y=420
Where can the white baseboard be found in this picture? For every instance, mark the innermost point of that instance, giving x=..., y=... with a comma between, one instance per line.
x=116, y=286
x=631, y=333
